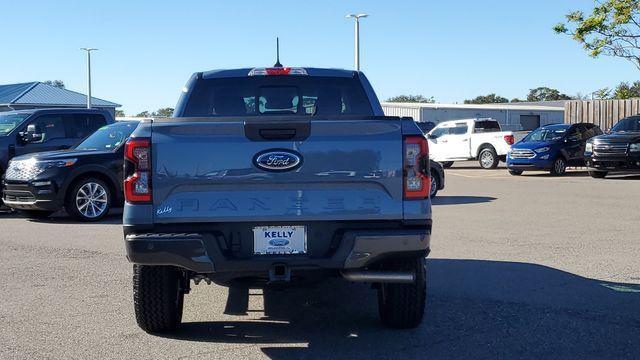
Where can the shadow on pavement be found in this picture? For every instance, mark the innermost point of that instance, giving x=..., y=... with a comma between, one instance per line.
x=460, y=200
x=475, y=309
x=61, y=217
x=576, y=173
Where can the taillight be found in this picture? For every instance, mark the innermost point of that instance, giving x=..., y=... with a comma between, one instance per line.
x=137, y=184
x=277, y=71
x=416, y=160
x=509, y=139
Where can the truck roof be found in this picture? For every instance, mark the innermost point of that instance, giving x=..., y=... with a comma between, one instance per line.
x=242, y=72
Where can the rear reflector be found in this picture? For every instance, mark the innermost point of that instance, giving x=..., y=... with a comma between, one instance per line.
x=509, y=139
x=416, y=161
x=277, y=71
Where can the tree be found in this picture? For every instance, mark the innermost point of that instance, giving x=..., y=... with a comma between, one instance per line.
x=600, y=94
x=487, y=99
x=120, y=113
x=163, y=112
x=612, y=29
x=55, y=83
x=626, y=91
x=516, y=100
x=412, y=99
x=144, y=114
x=546, y=94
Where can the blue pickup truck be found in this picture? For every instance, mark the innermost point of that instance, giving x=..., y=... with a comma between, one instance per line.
x=270, y=176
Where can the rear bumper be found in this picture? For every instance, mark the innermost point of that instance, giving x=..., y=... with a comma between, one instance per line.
x=220, y=253
x=614, y=163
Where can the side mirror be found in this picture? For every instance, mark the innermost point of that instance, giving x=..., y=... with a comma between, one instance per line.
x=31, y=135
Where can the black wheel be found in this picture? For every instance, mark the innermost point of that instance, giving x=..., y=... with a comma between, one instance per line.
x=158, y=297
x=401, y=306
x=597, y=174
x=488, y=158
x=88, y=200
x=559, y=167
x=447, y=164
x=515, y=172
x=36, y=214
x=435, y=184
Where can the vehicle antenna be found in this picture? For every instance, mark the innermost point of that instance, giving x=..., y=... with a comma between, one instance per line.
x=277, y=53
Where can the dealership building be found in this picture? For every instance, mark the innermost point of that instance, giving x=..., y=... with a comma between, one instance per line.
x=511, y=116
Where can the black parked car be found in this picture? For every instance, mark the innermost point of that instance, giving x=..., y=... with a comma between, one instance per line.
x=437, y=178
x=86, y=181
x=618, y=150
x=29, y=131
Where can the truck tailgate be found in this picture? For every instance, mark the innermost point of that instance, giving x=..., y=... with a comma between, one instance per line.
x=204, y=171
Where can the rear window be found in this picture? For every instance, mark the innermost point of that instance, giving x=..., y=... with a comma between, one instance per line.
x=486, y=126
x=277, y=95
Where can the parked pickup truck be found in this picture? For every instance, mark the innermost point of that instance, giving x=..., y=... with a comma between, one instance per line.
x=269, y=176
x=470, y=139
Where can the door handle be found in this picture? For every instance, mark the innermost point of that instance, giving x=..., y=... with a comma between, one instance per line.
x=444, y=141
x=465, y=140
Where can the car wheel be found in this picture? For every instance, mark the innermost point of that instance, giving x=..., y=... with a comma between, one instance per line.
x=158, y=297
x=598, y=174
x=559, y=167
x=515, y=172
x=401, y=306
x=488, y=158
x=89, y=200
x=435, y=184
x=447, y=164
x=36, y=214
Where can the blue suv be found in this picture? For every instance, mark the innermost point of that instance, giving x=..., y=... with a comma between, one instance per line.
x=552, y=148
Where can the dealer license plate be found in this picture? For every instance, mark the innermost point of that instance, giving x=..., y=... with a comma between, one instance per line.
x=279, y=240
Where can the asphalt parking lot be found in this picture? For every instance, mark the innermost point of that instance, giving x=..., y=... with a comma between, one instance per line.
x=521, y=267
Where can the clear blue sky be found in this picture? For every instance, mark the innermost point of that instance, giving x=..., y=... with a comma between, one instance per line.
x=451, y=50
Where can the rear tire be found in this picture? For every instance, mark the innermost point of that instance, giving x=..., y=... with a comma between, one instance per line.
x=598, y=174
x=158, y=297
x=515, y=172
x=488, y=158
x=401, y=306
x=447, y=164
x=559, y=167
x=36, y=214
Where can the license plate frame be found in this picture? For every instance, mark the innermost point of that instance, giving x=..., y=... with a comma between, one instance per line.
x=280, y=240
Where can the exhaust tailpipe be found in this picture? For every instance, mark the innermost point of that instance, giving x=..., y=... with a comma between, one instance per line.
x=397, y=277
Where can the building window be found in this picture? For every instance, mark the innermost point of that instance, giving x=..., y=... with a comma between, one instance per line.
x=529, y=122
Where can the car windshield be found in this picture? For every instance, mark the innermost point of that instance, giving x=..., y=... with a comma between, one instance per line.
x=554, y=134
x=8, y=122
x=629, y=124
x=108, y=137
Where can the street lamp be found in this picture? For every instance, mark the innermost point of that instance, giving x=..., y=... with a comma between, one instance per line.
x=88, y=50
x=357, y=34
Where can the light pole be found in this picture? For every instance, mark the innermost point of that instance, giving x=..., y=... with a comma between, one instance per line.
x=88, y=50
x=357, y=35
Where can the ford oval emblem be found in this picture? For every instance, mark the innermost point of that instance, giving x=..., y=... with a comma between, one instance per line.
x=278, y=242
x=278, y=160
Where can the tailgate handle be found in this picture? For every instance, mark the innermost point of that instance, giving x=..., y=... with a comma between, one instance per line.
x=276, y=129
x=277, y=134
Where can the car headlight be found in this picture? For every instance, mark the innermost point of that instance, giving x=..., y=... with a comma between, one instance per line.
x=59, y=163
x=588, y=147
x=542, y=149
x=635, y=147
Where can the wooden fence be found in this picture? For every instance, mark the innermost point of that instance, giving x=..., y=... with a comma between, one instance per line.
x=604, y=113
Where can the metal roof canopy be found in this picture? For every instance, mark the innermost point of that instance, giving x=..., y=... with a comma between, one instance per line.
x=40, y=94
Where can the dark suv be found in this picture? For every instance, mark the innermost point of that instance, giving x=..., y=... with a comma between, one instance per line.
x=85, y=180
x=618, y=150
x=36, y=130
